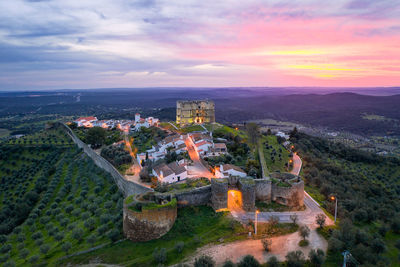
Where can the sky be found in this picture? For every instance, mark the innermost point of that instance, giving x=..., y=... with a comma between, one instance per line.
x=75, y=44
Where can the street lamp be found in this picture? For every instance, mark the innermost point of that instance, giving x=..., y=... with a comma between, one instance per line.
x=333, y=198
x=255, y=228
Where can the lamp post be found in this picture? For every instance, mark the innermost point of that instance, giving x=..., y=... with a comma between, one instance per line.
x=333, y=198
x=255, y=227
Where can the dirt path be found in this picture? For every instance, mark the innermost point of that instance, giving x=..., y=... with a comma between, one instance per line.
x=281, y=245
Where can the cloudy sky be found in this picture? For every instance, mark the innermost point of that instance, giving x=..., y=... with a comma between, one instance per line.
x=53, y=44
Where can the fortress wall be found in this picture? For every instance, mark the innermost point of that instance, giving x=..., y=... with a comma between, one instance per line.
x=148, y=224
x=263, y=190
x=126, y=187
x=195, y=197
x=219, y=193
x=292, y=196
x=248, y=193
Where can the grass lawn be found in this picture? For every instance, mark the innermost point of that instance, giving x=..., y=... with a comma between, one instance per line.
x=192, y=128
x=195, y=226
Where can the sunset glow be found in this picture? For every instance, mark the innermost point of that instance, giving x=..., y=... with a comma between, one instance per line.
x=209, y=43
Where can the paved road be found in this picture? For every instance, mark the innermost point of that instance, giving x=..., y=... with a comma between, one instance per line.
x=135, y=168
x=297, y=163
x=197, y=169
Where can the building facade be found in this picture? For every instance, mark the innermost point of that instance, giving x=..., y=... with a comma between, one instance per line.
x=197, y=111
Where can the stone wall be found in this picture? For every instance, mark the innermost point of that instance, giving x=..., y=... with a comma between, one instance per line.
x=247, y=187
x=292, y=196
x=195, y=197
x=263, y=190
x=127, y=188
x=146, y=225
x=219, y=193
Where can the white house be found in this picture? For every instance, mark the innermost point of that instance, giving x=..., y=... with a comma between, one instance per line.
x=203, y=147
x=283, y=135
x=217, y=149
x=226, y=170
x=170, y=173
x=85, y=121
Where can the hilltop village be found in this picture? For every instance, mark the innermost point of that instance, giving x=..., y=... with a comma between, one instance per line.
x=196, y=161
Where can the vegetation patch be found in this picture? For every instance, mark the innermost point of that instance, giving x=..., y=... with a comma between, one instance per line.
x=194, y=228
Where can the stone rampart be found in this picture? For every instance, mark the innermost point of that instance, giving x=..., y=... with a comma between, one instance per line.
x=219, y=193
x=195, y=197
x=263, y=190
x=127, y=188
x=292, y=196
x=150, y=224
x=247, y=187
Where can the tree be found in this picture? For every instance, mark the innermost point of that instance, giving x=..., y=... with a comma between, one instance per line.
x=267, y=243
x=96, y=136
x=320, y=220
x=378, y=245
x=204, y=261
x=44, y=249
x=253, y=131
x=113, y=235
x=34, y=259
x=295, y=258
x=304, y=231
x=77, y=234
x=59, y=236
x=24, y=253
x=160, y=255
x=179, y=246
x=91, y=239
x=249, y=261
x=294, y=218
x=66, y=247
x=90, y=224
x=273, y=262
x=317, y=257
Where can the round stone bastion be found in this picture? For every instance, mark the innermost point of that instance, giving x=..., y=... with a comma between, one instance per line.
x=148, y=216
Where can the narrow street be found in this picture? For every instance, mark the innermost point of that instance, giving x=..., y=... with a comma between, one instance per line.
x=134, y=168
x=197, y=169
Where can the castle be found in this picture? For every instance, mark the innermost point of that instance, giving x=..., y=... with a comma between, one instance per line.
x=197, y=111
x=151, y=215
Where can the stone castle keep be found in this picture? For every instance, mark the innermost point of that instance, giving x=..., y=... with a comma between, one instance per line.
x=198, y=111
x=151, y=215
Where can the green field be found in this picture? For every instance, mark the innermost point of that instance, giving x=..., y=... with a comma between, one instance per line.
x=195, y=226
x=60, y=198
x=4, y=133
x=44, y=137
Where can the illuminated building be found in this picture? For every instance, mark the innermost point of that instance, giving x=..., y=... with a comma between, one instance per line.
x=197, y=111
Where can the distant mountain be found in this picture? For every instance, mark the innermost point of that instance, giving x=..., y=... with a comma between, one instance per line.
x=338, y=111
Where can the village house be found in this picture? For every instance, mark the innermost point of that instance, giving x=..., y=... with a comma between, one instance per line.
x=170, y=173
x=85, y=121
x=216, y=150
x=226, y=170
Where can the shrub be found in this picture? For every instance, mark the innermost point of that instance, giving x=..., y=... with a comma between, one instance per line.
x=267, y=243
x=160, y=255
x=179, y=246
x=66, y=247
x=44, y=249
x=303, y=243
x=204, y=261
x=24, y=253
x=113, y=235
x=295, y=259
x=248, y=261
x=317, y=257
x=304, y=231
x=77, y=234
x=320, y=220
x=37, y=235
x=273, y=262
x=228, y=263
x=34, y=259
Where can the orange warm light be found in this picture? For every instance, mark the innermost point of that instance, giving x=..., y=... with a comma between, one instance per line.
x=235, y=202
x=332, y=198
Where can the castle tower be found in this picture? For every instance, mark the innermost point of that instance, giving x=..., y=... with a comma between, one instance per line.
x=196, y=111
